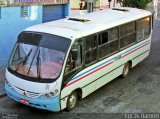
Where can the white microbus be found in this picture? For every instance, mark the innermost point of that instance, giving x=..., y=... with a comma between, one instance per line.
x=54, y=64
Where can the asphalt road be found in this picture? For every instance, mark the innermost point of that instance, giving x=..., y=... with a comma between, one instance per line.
x=138, y=93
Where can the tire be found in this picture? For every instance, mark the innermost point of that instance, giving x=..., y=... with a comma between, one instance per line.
x=72, y=101
x=126, y=70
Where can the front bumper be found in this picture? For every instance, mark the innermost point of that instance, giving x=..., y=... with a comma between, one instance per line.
x=50, y=104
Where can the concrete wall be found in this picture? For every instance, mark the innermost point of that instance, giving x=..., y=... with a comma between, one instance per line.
x=11, y=24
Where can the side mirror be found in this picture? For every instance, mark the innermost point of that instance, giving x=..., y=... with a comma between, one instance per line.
x=74, y=54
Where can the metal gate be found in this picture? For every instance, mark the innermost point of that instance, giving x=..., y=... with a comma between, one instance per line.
x=53, y=12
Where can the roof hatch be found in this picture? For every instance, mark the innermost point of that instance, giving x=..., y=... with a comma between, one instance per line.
x=78, y=20
x=118, y=9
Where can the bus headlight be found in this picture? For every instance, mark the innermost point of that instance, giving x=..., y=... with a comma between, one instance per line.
x=51, y=94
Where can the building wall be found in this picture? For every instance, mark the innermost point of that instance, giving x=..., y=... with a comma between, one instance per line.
x=11, y=24
x=97, y=4
x=74, y=4
x=106, y=3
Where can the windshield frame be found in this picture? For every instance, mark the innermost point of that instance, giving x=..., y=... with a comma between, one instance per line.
x=36, y=79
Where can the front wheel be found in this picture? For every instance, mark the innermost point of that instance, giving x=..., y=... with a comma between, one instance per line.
x=126, y=70
x=72, y=101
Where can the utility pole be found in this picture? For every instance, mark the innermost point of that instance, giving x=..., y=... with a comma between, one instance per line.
x=109, y=3
x=89, y=5
x=155, y=8
x=114, y=3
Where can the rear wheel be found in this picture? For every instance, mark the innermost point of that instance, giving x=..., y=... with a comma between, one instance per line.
x=72, y=101
x=126, y=70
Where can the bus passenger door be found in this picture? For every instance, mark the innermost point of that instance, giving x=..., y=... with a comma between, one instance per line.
x=72, y=67
x=74, y=62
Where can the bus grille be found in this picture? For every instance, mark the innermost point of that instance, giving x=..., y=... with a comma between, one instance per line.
x=27, y=93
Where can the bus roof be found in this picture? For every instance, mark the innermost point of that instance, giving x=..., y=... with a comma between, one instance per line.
x=83, y=25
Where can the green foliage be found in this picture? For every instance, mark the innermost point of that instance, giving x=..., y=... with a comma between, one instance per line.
x=135, y=3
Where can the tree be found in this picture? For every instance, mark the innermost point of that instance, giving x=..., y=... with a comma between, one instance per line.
x=135, y=3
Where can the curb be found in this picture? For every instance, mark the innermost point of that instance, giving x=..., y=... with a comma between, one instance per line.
x=2, y=92
x=3, y=95
x=2, y=80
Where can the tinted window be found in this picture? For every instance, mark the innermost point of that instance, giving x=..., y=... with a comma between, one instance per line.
x=122, y=30
x=90, y=56
x=73, y=64
x=113, y=34
x=127, y=34
x=111, y=44
x=55, y=42
x=127, y=40
x=103, y=38
x=143, y=28
x=108, y=48
x=90, y=49
x=38, y=57
x=44, y=40
x=90, y=42
x=130, y=27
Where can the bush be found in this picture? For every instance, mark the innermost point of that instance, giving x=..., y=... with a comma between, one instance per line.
x=135, y=3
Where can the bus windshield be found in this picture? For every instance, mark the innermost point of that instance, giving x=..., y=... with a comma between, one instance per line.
x=39, y=55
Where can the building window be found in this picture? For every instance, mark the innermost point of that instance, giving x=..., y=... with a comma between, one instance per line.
x=25, y=11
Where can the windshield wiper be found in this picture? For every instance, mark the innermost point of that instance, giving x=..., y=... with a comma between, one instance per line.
x=38, y=63
x=25, y=59
x=32, y=60
x=14, y=60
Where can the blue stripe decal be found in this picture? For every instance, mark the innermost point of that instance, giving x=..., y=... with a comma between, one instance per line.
x=134, y=48
x=92, y=69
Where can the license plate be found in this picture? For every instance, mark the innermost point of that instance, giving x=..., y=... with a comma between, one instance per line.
x=26, y=102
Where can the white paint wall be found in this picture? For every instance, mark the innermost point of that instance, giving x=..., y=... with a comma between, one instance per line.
x=74, y=4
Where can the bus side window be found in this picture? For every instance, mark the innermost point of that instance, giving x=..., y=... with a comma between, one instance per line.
x=78, y=61
x=127, y=34
x=72, y=62
x=103, y=38
x=143, y=28
x=111, y=42
x=69, y=64
x=90, y=49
